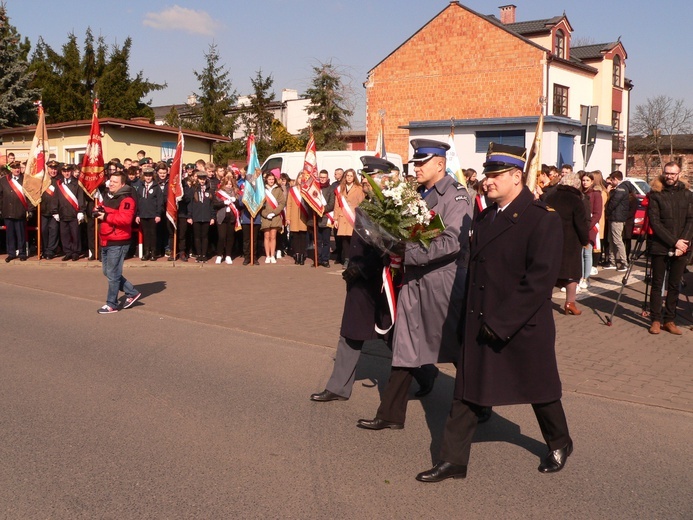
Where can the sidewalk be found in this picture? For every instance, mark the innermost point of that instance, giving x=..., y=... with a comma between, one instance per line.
x=622, y=361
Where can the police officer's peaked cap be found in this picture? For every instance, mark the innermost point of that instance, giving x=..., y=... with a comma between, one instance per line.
x=52, y=163
x=424, y=149
x=503, y=157
x=372, y=164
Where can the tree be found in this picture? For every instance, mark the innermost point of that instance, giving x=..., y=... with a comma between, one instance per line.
x=283, y=141
x=328, y=107
x=16, y=94
x=216, y=96
x=256, y=117
x=659, y=120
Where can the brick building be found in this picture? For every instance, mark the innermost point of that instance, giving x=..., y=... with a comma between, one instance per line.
x=485, y=76
x=644, y=158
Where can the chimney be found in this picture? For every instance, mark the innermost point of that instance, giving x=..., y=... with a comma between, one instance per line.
x=507, y=13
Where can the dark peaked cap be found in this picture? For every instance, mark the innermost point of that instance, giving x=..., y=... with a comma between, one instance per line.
x=503, y=157
x=424, y=149
x=372, y=164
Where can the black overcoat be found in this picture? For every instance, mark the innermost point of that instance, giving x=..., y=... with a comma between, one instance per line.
x=513, y=267
x=569, y=204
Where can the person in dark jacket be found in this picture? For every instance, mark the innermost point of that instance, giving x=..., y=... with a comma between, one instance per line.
x=183, y=228
x=50, y=227
x=150, y=207
x=116, y=215
x=593, y=200
x=14, y=209
x=227, y=217
x=567, y=200
x=71, y=207
x=508, y=354
x=324, y=223
x=670, y=213
x=201, y=214
x=617, y=209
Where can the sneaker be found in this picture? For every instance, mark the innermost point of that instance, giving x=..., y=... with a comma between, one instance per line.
x=228, y=260
x=562, y=289
x=130, y=300
x=273, y=260
x=621, y=268
x=218, y=260
x=267, y=260
x=609, y=266
x=107, y=310
x=583, y=284
x=279, y=254
x=594, y=271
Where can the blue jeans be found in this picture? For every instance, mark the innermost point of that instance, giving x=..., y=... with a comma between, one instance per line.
x=587, y=261
x=112, y=258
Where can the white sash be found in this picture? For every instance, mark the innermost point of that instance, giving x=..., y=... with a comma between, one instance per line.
x=271, y=199
x=348, y=212
x=230, y=207
x=296, y=194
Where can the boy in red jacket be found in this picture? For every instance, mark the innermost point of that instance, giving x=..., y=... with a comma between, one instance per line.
x=116, y=215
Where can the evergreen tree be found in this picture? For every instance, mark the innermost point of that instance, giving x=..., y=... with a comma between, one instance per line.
x=16, y=95
x=256, y=117
x=173, y=118
x=283, y=141
x=216, y=96
x=328, y=106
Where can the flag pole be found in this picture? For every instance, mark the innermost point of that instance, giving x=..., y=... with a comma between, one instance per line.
x=96, y=236
x=175, y=242
x=252, y=242
x=38, y=231
x=315, y=240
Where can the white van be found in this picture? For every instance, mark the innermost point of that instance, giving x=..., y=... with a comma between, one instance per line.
x=292, y=162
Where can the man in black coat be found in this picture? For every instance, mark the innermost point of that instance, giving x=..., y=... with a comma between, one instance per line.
x=617, y=209
x=71, y=207
x=508, y=355
x=671, y=218
x=50, y=227
x=14, y=208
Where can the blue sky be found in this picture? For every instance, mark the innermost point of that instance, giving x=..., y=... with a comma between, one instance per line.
x=288, y=37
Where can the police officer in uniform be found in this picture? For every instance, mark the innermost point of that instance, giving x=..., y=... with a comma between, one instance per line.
x=50, y=227
x=508, y=352
x=430, y=301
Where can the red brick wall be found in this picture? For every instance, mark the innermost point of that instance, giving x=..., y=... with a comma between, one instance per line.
x=459, y=65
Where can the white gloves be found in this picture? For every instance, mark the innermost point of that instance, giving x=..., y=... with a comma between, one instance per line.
x=270, y=216
x=80, y=216
x=233, y=199
x=56, y=217
x=227, y=201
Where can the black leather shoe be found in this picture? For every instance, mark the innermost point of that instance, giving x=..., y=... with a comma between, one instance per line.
x=324, y=264
x=426, y=388
x=484, y=414
x=75, y=257
x=442, y=471
x=326, y=396
x=67, y=257
x=378, y=424
x=22, y=258
x=555, y=460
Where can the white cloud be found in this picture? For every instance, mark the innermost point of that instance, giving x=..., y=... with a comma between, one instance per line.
x=178, y=18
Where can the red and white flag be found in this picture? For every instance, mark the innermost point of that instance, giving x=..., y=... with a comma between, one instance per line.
x=380, y=141
x=92, y=175
x=36, y=178
x=310, y=186
x=175, y=182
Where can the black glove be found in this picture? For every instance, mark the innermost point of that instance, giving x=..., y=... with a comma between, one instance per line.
x=487, y=336
x=352, y=273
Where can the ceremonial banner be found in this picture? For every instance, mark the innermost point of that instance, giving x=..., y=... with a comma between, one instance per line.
x=380, y=142
x=92, y=167
x=254, y=189
x=453, y=166
x=534, y=157
x=175, y=183
x=310, y=186
x=36, y=178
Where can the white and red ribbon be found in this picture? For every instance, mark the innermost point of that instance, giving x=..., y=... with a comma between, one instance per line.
x=19, y=191
x=230, y=207
x=389, y=290
x=71, y=197
x=348, y=212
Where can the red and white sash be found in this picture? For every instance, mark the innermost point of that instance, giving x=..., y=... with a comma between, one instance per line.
x=50, y=190
x=389, y=290
x=296, y=194
x=230, y=207
x=481, y=202
x=271, y=199
x=17, y=188
x=348, y=212
x=67, y=193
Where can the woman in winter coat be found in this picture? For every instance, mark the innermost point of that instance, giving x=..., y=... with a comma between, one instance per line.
x=595, y=209
x=200, y=214
x=349, y=195
x=271, y=222
x=567, y=200
x=227, y=217
x=600, y=253
x=298, y=215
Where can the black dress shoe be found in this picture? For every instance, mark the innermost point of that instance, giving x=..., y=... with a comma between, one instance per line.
x=442, y=471
x=378, y=424
x=75, y=257
x=22, y=258
x=555, y=460
x=428, y=386
x=484, y=414
x=67, y=257
x=324, y=264
x=326, y=396
x=144, y=258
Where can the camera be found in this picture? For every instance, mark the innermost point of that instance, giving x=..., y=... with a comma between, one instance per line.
x=96, y=212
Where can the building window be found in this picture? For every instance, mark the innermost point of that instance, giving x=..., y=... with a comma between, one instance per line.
x=617, y=71
x=560, y=100
x=560, y=44
x=616, y=121
x=511, y=137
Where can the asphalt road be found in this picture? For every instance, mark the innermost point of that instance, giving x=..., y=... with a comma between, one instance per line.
x=155, y=413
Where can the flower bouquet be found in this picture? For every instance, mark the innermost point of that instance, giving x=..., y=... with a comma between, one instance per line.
x=395, y=214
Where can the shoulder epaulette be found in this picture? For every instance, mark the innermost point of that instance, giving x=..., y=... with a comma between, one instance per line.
x=541, y=204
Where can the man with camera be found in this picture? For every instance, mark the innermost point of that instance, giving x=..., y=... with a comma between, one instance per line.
x=116, y=216
x=671, y=219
